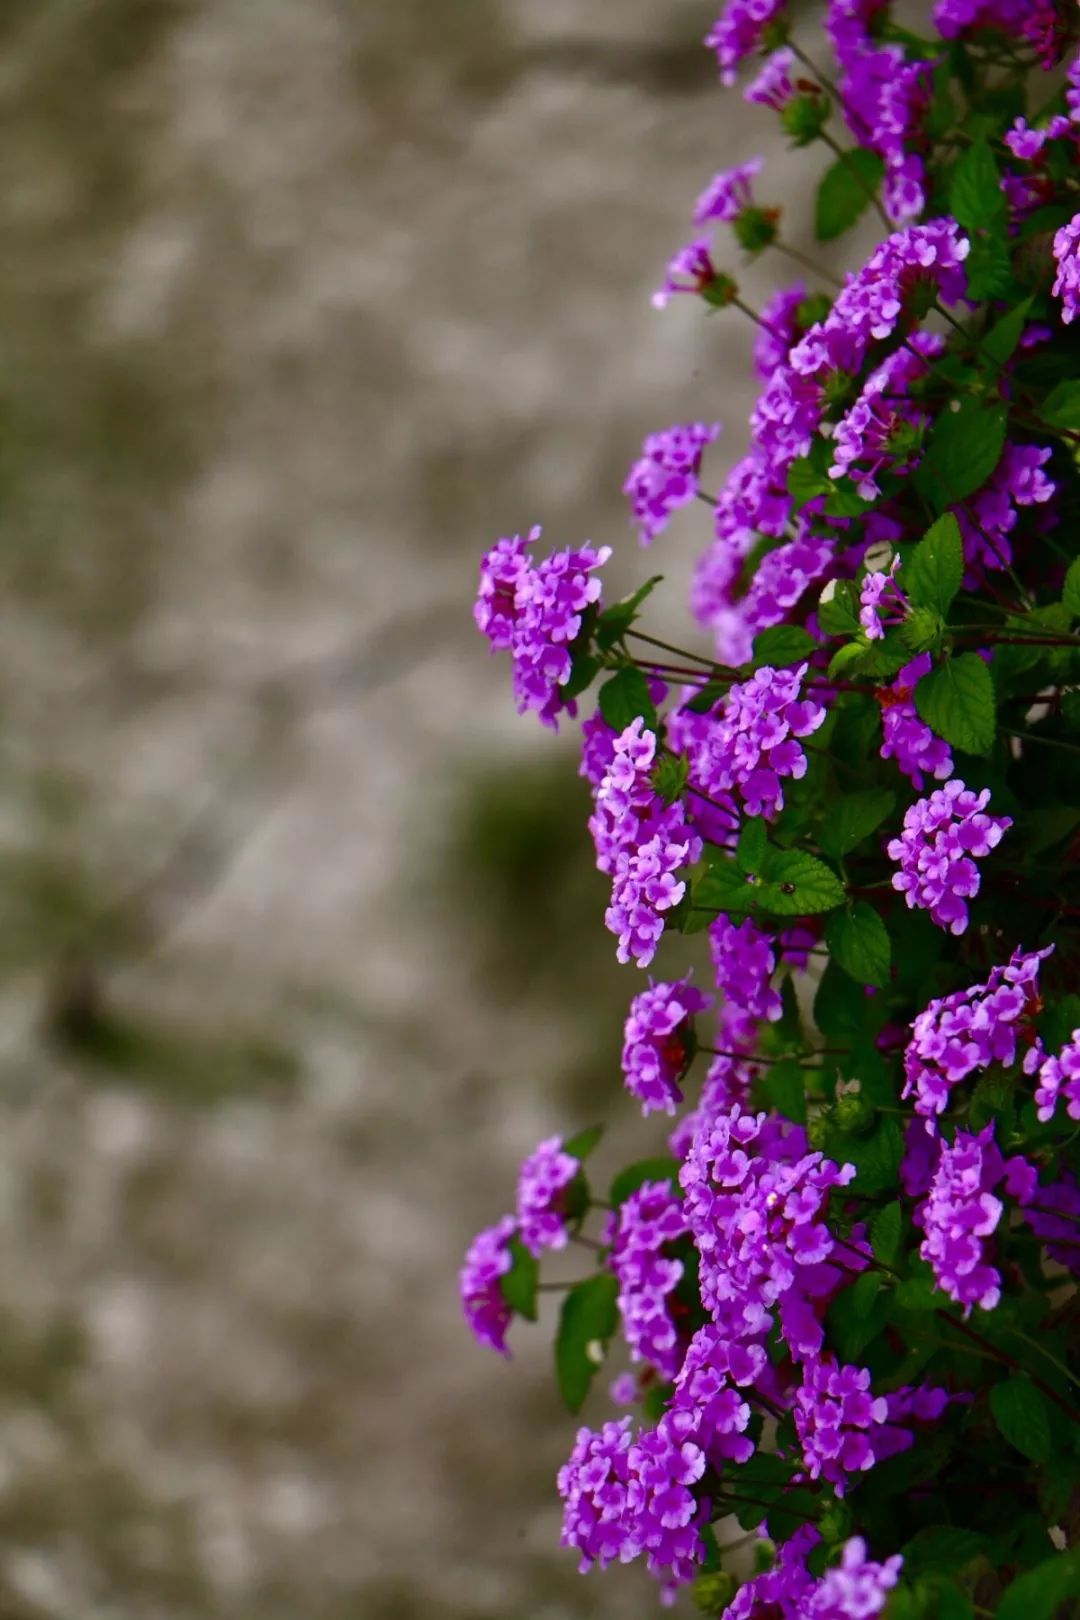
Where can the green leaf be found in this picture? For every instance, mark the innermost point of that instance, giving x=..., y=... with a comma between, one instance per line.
x=922, y=630
x=859, y=941
x=1021, y=1416
x=798, y=885
x=1070, y=596
x=876, y=1157
x=854, y=1318
x=581, y=1145
x=989, y=269
x=942, y=1547
x=783, y=1086
x=616, y=620
x=518, y=1285
x=957, y=702
x=935, y=569
x=583, y=670
x=1001, y=340
x=854, y=817
x=750, y=852
x=625, y=697
x=964, y=447
x=845, y=192
x=838, y=608
x=636, y=1175
x=919, y=1292
x=805, y=482
x=781, y=645
x=586, y=1324
x=865, y=1291
x=975, y=196
x=1061, y=407
x=1039, y=1593
x=722, y=887
x=669, y=776
x=886, y=1234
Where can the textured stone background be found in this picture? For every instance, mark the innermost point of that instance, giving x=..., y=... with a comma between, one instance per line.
x=303, y=302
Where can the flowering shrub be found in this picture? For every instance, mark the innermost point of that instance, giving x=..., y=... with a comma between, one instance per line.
x=846, y=1290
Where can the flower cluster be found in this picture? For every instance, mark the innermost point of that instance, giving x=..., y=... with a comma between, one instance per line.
x=836, y=1418
x=957, y=1035
x=541, y=1206
x=666, y=475
x=905, y=737
x=754, y=741
x=658, y=1043
x=1059, y=1080
x=534, y=611
x=743, y=961
x=1067, y=258
x=644, y=1227
x=488, y=1259
x=942, y=838
x=961, y=1212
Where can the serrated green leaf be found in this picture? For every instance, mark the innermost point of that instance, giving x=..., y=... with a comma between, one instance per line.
x=781, y=645
x=858, y=939
x=1061, y=407
x=876, y=1156
x=854, y=1319
x=587, y=1322
x=637, y=1174
x=1021, y=1415
x=583, y=671
x=962, y=452
x=518, y=1285
x=854, y=817
x=922, y=630
x=850, y=656
x=933, y=573
x=886, y=1234
x=846, y=191
x=580, y=1146
x=1070, y=596
x=976, y=199
x=722, y=887
x=669, y=776
x=798, y=885
x=957, y=702
x=918, y=1291
x=625, y=697
x=1039, y=1593
x=806, y=482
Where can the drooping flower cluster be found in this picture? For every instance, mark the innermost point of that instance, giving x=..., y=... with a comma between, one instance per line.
x=541, y=1205
x=533, y=611
x=962, y=1212
x=1067, y=258
x=642, y=842
x=739, y=30
x=836, y=1419
x=855, y=1589
x=906, y=737
x=754, y=741
x=644, y=1227
x=743, y=961
x=488, y=1259
x=658, y=1043
x=707, y=1403
x=755, y=1201
x=1059, y=1080
x=666, y=475
x=957, y=1035
x=943, y=836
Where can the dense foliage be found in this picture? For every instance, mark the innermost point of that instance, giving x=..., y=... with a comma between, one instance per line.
x=846, y=1277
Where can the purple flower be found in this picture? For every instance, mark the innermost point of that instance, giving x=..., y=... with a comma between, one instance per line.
x=754, y=741
x=744, y=960
x=1066, y=257
x=780, y=328
x=1059, y=1078
x=534, y=611
x=642, y=1228
x=755, y=1198
x=542, y=1182
x=942, y=838
x=707, y=1405
x=774, y=86
x=907, y=738
x=1054, y=1216
x=690, y=270
x=958, y=1034
x=836, y=1417
x=782, y=1592
x=883, y=429
x=871, y=593
x=990, y=516
x=955, y=17
x=1072, y=89
x=666, y=476
x=961, y=1211
x=592, y=1484
x=1026, y=143
x=855, y=1589
x=663, y=1468
x=659, y=1044
x=739, y=30
x=488, y=1259
x=728, y=194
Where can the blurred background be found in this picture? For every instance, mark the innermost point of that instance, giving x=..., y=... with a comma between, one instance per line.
x=303, y=303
